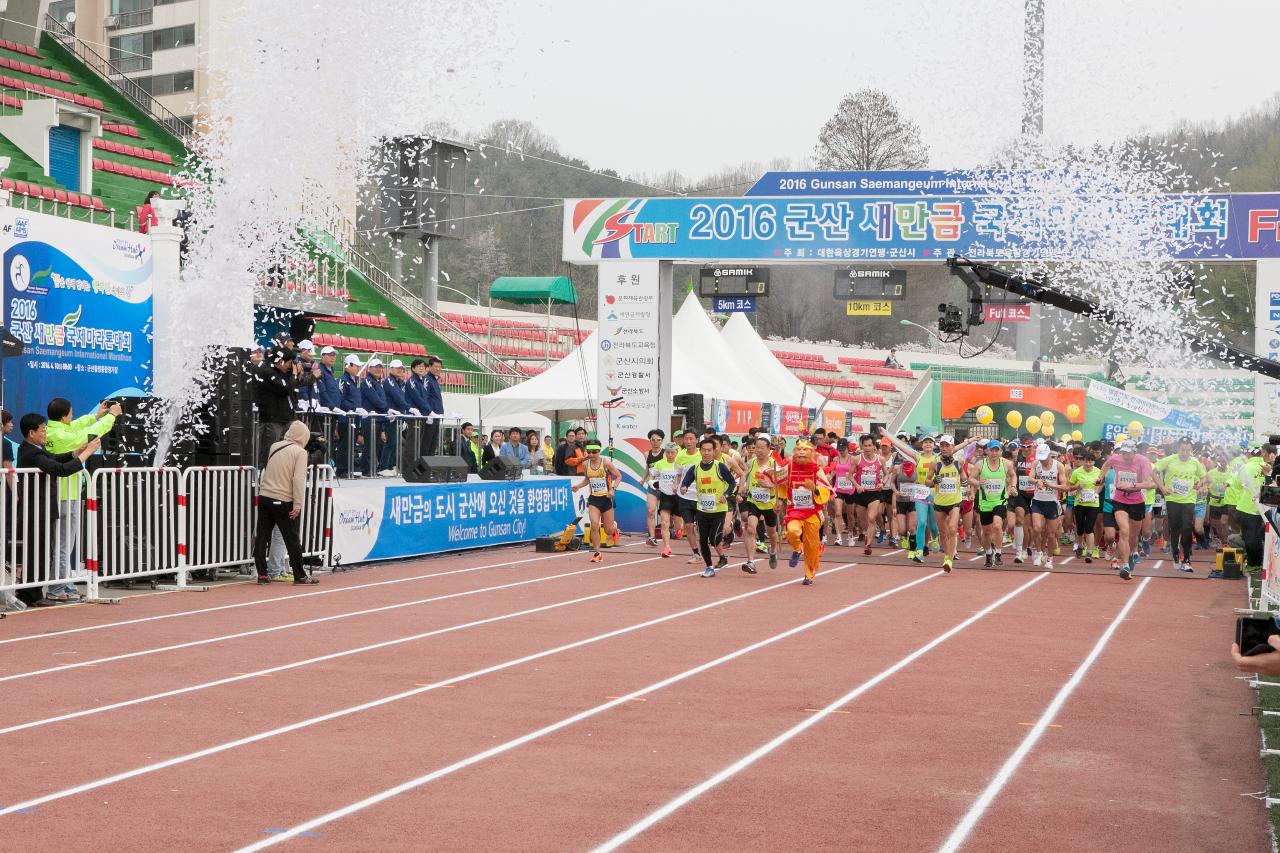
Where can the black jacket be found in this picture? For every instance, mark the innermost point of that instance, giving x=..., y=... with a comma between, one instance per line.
x=558, y=462
x=276, y=394
x=53, y=465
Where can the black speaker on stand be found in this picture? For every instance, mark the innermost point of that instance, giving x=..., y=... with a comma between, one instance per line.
x=501, y=468
x=436, y=469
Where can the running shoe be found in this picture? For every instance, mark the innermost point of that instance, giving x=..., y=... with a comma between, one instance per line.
x=773, y=559
x=916, y=557
x=749, y=567
x=839, y=539
x=1126, y=573
x=762, y=547
x=933, y=543
x=794, y=559
x=666, y=552
x=722, y=562
x=680, y=533
x=1056, y=550
x=1185, y=567
x=867, y=551
x=1215, y=574
x=1088, y=558
x=694, y=560
x=1095, y=553
x=990, y=560
x=999, y=559
x=879, y=537
x=924, y=551
x=1018, y=557
x=650, y=541
x=616, y=534
x=946, y=565
x=807, y=582
x=709, y=572
x=263, y=579
x=597, y=557
x=1078, y=551
x=1038, y=560
x=305, y=581
x=1048, y=564
x=1145, y=547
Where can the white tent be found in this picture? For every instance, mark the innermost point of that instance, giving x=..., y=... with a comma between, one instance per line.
x=780, y=384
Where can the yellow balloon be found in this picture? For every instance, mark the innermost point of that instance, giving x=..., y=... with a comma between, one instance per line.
x=1046, y=417
x=1073, y=413
x=1077, y=435
x=1136, y=428
x=1121, y=437
x=1047, y=430
x=984, y=414
x=1013, y=419
x=1033, y=424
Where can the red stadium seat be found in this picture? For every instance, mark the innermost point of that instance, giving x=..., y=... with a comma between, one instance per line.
x=48, y=193
x=60, y=196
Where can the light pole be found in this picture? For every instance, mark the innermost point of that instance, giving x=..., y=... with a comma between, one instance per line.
x=935, y=343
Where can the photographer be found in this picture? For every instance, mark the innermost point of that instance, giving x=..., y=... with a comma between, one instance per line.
x=276, y=386
x=1248, y=481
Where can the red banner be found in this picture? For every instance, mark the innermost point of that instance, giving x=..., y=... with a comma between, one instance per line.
x=737, y=416
x=1009, y=313
x=793, y=421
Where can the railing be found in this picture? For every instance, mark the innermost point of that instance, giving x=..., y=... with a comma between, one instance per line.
x=71, y=211
x=125, y=20
x=114, y=77
x=948, y=373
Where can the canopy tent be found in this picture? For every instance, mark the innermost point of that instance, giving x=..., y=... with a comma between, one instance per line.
x=534, y=290
x=698, y=350
x=751, y=352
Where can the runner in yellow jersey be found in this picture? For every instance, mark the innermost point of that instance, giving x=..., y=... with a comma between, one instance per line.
x=713, y=483
x=601, y=478
x=760, y=501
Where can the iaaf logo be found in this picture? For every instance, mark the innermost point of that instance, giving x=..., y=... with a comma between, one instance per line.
x=356, y=519
x=619, y=226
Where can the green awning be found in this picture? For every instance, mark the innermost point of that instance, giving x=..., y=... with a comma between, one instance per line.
x=530, y=290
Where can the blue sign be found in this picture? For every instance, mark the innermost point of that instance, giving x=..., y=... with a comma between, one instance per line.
x=376, y=523
x=733, y=304
x=1182, y=420
x=871, y=183
x=78, y=296
x=889, y=228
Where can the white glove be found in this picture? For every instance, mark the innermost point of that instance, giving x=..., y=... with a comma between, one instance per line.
x=362, y=412
x=414, y=412
x=395, y=413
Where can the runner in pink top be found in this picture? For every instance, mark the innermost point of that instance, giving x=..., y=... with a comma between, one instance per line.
x=1133, y=475
x=869, y=481
x=840, y=472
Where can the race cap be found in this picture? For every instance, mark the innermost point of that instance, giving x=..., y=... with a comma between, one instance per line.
x=764, y=435
x=306, y=345
x=284, y=338
x=375, y=362
x=671, y=445
x=328, y=351
x=1129, y=446
x=1042, y=452
x=1255, y=445
x=946, y=439
x=352, y=358
x=395, y=362
x=994, y=444
x=885, y=442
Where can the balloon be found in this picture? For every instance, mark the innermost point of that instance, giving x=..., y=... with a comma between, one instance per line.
x=1033, y=424
x=1047, y=430
x=1046, y=417
x=1013, y=419
x=1136, y=428
x=984, y=414
x=1073, y=412
x=1077, y=435
x=1121, y=437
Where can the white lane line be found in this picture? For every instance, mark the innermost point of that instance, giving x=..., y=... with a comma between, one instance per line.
x=260, y=601
x=1158, y=564
x=334, y=655
x=1006, y=771
x=316, y=621
x=747, y=760
x=382, y=796
x=395, y=697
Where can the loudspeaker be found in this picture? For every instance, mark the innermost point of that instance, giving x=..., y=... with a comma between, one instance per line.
x=501, y=468
x=436, y=469
x=690, y=406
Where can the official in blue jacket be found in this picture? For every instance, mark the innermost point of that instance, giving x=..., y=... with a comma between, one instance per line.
x=351, y=400
x=327, y=385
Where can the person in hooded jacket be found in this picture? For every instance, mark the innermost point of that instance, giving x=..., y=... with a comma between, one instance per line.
x=281, y=492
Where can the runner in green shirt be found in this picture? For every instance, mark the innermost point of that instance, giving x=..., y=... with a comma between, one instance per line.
x=1086, y=485
x=1219, y=488
x=1180, y=478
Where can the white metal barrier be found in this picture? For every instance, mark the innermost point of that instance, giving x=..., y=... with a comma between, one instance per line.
x=216, y=517
x=132, y=529
x=315, y=525
x=31, y=535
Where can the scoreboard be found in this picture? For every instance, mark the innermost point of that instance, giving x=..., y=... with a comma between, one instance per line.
x=733, y=281
x=870, y=283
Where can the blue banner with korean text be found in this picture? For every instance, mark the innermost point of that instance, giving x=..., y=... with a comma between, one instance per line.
x=376, y=522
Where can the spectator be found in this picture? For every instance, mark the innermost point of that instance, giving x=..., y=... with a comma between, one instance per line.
x=548, y=451
x=350, y=400
x=65, y=435
x=147, y=216
x=9, y=449
x=435, y=399
x=891, y=360
x=561, y=462
x=515, y=448
x=375, y=402
x=276, y=394
x=281, y=494
x=33, y=454
x=489, y=449
x=308, y=393
x=538, y=462
x=256, y=356
x=469, y=448
x=1266, y=663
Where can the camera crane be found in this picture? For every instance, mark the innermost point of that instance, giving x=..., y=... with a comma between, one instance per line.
x=975, y=275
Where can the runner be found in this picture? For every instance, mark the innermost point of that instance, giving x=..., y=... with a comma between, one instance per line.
x=1181, y=478
x=1219, y=510
x=905, y=488
x=665, y=473
x=687, y=497
x=888, y=526
x=1046, y=512
x=1085, y=486
x=760, y=502
x=1024, y=461
x=1133, y=476
x=652, y=496
x=869, y=482
x=845, y=497
x=712, y=482
x=925, y=460
x=601, y=478
x=994, y=480
x=945, y=479
x=807, y=489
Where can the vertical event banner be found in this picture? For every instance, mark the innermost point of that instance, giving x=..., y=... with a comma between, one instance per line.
x=1266, y=341
x=634, y=337
x=79, y=297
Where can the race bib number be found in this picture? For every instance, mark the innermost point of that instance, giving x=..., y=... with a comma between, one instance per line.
x=1218, y=489
x=948, y=485
x=599, y=486
x=707, y=503
x=992, y=488
x=760, y=495
x=1127, y=479
x=868, y=481
x=844, y=484
x=1088, y=496
x=1045, y=495
x=802, y=498
x=915, y=492
x=1024, y=484
x=667, y=481
x=1180, y=487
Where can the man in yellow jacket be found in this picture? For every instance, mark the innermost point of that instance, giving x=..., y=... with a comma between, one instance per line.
x=67, y=434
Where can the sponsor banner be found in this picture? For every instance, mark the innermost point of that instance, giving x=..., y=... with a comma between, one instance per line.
x=1124, y=400
x=789, y=420
x=370, y=523
x=79, y=298
x=820, y=227
x=835, y=420
x=1007, y=313
x=735, y=416
x=961, y=397
x=870, y=183
x=1163, y=434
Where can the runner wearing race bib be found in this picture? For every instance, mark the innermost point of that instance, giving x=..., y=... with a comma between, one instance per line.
x=1020, y=502
x=1133, y=475
x=652, y=496
x=664, y=478
x=1046, y=511
x=946, y=480
x=599, y=477
x=869, y=481
x=687, y=498
x=807, y=489
x=993, y=480
x=920, y=494
x=844, y=493
x=1086, y=486
x=712, y=483
x=760, y=502
x=1180, y=479
x=904, y=488
x=1219, y=487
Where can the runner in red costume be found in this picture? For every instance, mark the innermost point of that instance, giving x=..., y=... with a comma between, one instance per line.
x=807, y=489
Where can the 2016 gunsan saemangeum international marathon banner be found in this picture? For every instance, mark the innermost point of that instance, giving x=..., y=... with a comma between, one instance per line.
x=79, y=297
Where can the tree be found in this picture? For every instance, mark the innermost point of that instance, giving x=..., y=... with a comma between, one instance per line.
x=867, y=133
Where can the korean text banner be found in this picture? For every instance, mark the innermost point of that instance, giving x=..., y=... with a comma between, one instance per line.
x=404, y=521
x=1240, y=226
x=79, y=298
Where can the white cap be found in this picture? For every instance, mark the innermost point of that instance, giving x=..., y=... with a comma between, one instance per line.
x=946, y=439
x=306, y=345
x=1042, y=452
x=352, y=358
x=375, y=362
x=395, y=362
x=328, y=351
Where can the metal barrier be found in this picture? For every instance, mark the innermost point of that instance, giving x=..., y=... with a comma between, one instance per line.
x=30, y=537
x=133, y=529
x=315, y=525
x=216, y=517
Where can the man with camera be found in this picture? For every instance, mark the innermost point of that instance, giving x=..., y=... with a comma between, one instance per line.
x=276, y=385
x=1255, y=493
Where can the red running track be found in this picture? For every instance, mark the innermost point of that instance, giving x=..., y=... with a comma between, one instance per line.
x=506, y=724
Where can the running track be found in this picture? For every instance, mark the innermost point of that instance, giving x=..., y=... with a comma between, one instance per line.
x=503, y=700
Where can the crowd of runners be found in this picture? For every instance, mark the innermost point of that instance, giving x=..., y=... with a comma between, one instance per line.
x=1027, y=500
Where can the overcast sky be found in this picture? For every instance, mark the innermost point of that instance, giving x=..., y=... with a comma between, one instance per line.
x=647, y=85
